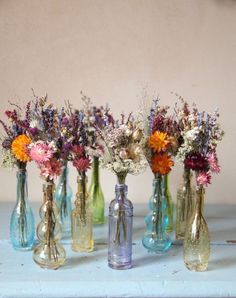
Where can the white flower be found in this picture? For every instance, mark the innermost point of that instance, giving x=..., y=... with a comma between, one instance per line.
x=34, y=124
x=192, y=134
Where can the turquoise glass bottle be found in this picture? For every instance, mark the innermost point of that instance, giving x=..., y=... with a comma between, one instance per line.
x=63, y=197
x=22, y=227
x=156, y=238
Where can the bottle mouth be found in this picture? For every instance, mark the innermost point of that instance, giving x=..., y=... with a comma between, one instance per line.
x=123, y=187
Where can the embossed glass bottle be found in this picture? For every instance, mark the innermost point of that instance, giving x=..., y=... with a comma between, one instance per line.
x=185, y=203
x=63, y=197
x=169, y=206
x=82, y=219
x=156, y=238
x=22, y=228
x=96, y=195
x=120, y=230
x=197, y=239
x=49, y=253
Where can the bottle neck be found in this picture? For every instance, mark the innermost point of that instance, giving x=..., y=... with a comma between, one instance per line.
x=199, y=200
x=48, y=190
x=22, y=186
x=187, y=178
x=121, y=192
x=95, y=173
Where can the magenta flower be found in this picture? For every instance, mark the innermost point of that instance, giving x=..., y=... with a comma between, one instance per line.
x=78, y=149
x=203, y=178
x=196, y=162
x=82, y=164
x=213, y=162
x=41, y=152
x=51, y=169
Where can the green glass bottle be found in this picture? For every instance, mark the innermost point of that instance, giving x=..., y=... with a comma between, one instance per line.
x=96, y=195
x=169, y=206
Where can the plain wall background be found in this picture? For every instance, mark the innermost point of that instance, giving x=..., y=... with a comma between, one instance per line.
x=111, y=50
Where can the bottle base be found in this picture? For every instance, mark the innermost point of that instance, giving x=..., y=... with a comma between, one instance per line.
x=155, y=245
x=78, y=248
x=26, y=248
x=195, y=266
x=120, y=266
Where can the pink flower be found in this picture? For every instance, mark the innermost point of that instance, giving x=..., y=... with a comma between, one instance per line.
x=51, y=169
x=213, y=162
x=82, y=164
x=203, y=178
x=78, y=149
x=41, y=152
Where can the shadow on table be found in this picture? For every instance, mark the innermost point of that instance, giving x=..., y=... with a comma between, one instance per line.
x=221, y=263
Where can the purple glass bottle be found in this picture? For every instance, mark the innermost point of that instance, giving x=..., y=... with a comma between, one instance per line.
x=120, y=230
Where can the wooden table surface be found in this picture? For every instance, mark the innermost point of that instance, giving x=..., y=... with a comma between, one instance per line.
x=152, y=275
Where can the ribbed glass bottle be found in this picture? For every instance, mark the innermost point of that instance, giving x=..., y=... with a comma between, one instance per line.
x=156, y=238
x=197, y=239
x=63, y=197
x=22, y=228
x=82, y=219
x=49, y=253
x=120, y=230
x=185, y=204
x=96, y=195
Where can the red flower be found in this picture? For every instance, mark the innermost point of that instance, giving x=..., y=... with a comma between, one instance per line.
x=82, y=164
x=196, y=162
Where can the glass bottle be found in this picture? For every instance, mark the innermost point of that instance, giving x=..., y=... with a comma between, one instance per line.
x=156, y=238
x=197, y=239
x=82, y=219
x=120, y=230
x=185, y=204
x=49, y=253
x=63, y=197
x=22, y=228
x=96, y=195
x=169, y=206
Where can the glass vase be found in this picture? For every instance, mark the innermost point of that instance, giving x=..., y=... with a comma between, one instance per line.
x=156, y=238
x=63, y=197
x=120, y=230
x=169, y=205
x=96, y=195
x=197, y=239
x=82, y=219
x=49, y=253
x=185, y=204
x=22, y=227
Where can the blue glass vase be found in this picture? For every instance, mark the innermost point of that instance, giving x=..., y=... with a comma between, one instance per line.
x=120, y=230
x=156, y=238
x=63, y=197
x=22, y=227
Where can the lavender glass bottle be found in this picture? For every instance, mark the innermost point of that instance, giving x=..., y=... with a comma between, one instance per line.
x=120, y=230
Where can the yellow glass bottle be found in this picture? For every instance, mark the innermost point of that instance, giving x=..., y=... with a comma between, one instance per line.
x=49, y=253
x=82, y=219
x=197, y=239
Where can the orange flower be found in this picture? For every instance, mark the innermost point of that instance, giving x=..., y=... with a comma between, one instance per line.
x=18, y=148
x=162, y=163
x=158, y=141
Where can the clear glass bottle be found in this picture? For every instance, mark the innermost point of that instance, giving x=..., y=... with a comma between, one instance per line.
x=63, y=197
x=156, y=238
x=185, y=204
x=120, y=230
x=169, y=205
x=197, y=239
x=96, y=195
x=49, y=253
x=82, y=219
x=22, y=227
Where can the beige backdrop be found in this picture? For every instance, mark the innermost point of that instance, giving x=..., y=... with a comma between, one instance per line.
x=111, y=50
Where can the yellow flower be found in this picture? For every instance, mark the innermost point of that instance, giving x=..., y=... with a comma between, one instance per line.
x=18, y=148
x=158, y=141
x=162, y=163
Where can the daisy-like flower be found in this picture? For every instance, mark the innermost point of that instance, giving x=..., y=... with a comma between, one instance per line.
x=82, y=164
x=158, y=141
x=51, y=169
x=203, y=179
x=162, y=163
x=196, y=162
x=19, y=148
x=41, y=152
